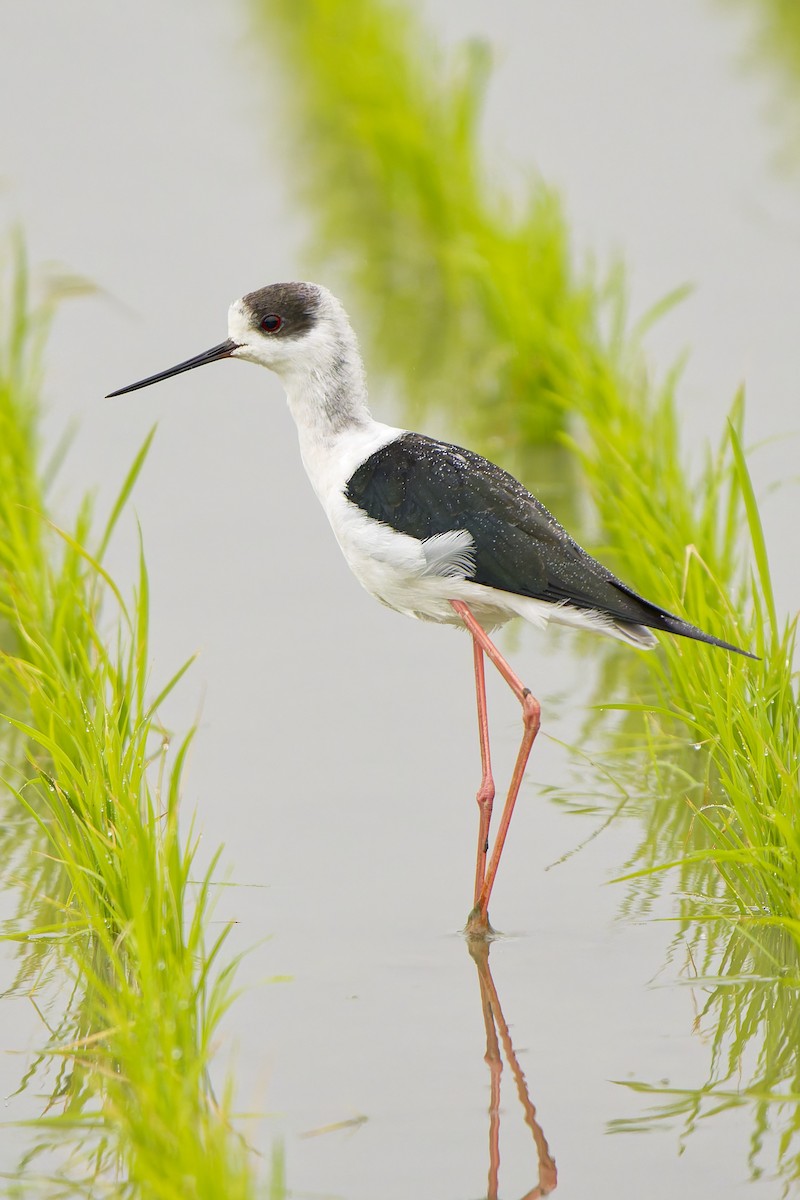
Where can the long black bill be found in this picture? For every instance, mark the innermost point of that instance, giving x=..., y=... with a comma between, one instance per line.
x=223, y=350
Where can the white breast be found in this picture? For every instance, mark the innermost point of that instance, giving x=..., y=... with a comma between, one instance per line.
x=331, y=460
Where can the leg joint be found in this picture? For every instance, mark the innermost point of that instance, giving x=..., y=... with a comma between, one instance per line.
x=486, y=793
x=531, y=711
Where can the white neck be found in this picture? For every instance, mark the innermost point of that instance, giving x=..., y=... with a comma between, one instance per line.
x=326, y=388
x=327, y=395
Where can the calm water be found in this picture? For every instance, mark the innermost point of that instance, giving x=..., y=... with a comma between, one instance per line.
x=336, y=756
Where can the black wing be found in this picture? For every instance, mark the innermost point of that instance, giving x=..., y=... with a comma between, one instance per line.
x=423, y=487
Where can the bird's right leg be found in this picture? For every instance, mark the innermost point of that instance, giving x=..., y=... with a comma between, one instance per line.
x=485, y=796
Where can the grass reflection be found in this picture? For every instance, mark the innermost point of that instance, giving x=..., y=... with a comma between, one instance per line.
x=750, y=1021
x=68, y=1151
x=742, y=963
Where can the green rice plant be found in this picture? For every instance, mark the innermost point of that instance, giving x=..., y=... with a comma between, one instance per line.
x=476, y=305
x=688, y=549
x=112, y=910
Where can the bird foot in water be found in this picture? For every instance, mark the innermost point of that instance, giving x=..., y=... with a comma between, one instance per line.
x=478, y=926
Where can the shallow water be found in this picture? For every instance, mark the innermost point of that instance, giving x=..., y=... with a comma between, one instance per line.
x=336, y=756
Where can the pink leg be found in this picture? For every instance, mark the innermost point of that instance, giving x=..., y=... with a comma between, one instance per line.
x=478, y=921
x=485, y=795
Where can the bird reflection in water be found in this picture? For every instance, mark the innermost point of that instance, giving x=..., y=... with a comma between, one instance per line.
x=497, y=1036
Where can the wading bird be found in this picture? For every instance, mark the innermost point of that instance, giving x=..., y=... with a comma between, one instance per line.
x=430, y=529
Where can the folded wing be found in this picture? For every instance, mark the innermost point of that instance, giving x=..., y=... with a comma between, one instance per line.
x=426, y=488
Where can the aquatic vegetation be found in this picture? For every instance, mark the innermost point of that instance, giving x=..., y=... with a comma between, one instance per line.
x=113, y=921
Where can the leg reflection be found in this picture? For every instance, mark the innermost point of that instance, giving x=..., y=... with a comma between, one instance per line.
x=495, y=1025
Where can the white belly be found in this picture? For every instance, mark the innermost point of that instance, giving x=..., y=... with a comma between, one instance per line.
x=402, y=572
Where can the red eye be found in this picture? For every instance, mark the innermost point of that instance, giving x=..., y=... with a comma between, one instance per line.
x=271, y=323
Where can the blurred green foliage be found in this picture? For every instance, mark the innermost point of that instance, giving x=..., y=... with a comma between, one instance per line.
x=469, y=299
x=773, y=50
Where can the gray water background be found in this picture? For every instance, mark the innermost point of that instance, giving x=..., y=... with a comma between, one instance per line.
x=336, y=755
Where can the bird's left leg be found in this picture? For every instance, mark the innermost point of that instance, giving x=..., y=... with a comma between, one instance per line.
x=478, y=922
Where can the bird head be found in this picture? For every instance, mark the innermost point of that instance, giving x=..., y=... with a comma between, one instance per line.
x=288, y=327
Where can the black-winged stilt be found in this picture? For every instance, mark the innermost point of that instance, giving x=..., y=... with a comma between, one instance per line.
x=434, y=531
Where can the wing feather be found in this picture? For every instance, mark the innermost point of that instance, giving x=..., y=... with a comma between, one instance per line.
x=426, y=488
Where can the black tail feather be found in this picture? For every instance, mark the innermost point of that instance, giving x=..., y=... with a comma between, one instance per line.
x=660, y=619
